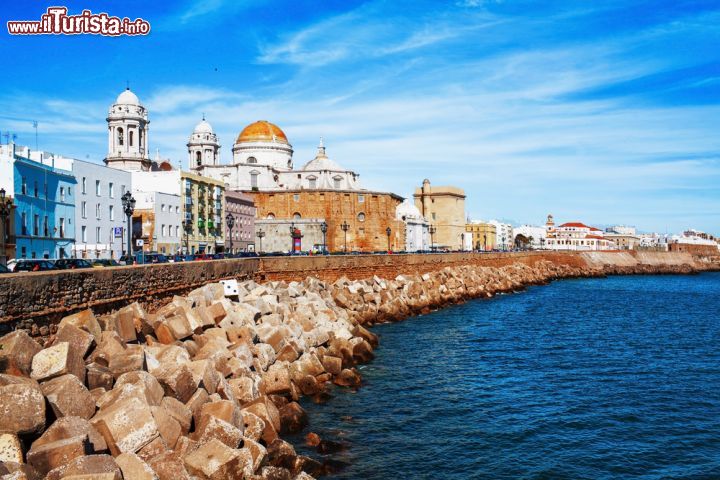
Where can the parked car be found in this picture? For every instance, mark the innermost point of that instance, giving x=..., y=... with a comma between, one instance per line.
x=71, y=263
x=104, y=263
x=30, y=265
x=4, y=269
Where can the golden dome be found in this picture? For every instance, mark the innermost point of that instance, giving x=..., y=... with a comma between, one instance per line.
x=262, y=131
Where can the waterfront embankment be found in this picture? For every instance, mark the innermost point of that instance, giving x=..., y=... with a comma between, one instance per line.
x=207, y=384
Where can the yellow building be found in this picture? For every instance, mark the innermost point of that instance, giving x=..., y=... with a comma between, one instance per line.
x=444, y=208
x=204, y=214
x=484, y=235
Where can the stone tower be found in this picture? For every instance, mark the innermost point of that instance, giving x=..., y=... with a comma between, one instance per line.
x=128, y=134
x=203, y=146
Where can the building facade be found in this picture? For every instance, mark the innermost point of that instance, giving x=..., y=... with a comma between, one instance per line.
x=43, y=191
x=285, y=235
x=202, y=206
x=444, y=208
x=242, y=208
x=576, y=236
x=367, y=215
x=128, y=127
x=503, y=235
x=417, y=228
x=157, y=221
x=101, y=226
x=529, y=237
x=483, y=235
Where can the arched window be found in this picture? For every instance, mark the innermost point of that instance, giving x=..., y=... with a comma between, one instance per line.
x=297, y=216
x=198, y=158
x=252, y=160
x=312, y=181
x=336, y=181
x=270, y=216
x=130, y=138
x=254, y=179
x=121, y=136
x=361, y=217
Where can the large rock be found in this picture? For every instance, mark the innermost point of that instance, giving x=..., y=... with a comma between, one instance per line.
x=84, y=320
x=51, y=455
x=127, y=426
x=292, y=418
x=67, y=396
x=10, y=448
x=215, y=461
x=133, y=467
x=60, y=359
x=22, y=406
x=16, y=353
x=100, y=467
x=68, y=427
x=168, y=466
x=80, y=340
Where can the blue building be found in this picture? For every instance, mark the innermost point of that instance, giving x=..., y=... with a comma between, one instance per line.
x=44, y=213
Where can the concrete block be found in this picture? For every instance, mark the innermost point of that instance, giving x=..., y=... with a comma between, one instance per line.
x=57, y=360
x=17, y=350
x=54, y=454
x=67, y=396
x=215, y=461
x=10, y=448
x=68, y=427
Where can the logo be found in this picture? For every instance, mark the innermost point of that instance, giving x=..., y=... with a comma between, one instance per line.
x=56, y=21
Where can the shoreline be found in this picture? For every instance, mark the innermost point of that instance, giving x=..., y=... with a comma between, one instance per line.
x=222, y=370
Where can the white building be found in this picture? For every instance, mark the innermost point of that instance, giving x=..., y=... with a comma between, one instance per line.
x=503, y=234
x=128, y=134
x=577, y=236
x=417, y=236
x=161, y=225
x=622, y=230
x=530, y=235
x=262, y=160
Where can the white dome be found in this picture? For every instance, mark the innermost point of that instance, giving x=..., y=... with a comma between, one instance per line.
x=408, y=210
x=322, y=162
x=127, y=97
x=203, y=127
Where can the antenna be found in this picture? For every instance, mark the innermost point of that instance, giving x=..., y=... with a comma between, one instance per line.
x=35, y=126
x=127, y=84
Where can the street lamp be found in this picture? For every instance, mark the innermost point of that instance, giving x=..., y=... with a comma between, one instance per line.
x=503, y=240
x=432, y=231
x=230, y=220
x=388, y=231
x=260, y=234
x=485, y=242
x=128, y=203
x=323, y=229
x=5, y=209
x=187, y=224
x=345, y=227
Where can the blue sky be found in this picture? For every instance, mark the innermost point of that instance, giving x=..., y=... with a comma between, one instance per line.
x=605, y=112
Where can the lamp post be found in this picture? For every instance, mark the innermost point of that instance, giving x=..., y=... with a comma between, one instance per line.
x=542, y=243
x=230, y=220
x=292, y=237
x=128, y=203
x=503, y=240
x=186, y=226
x=432, y=231
x=485, y=242
x=345, y=227
x=323, y=229
x=388, y=231
x=5, y=209
x=260, y=234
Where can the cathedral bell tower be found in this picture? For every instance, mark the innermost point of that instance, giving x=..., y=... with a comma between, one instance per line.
x=203, y=146
x=128, y=134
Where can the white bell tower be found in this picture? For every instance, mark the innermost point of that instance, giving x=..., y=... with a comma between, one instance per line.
x=203, y=146
x=128, y=134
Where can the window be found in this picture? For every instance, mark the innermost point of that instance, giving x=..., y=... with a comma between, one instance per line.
x=162, y=207
x=254, y=179
x=36, y=225
x=46, y=227
x=433, y=216
x=84, y=185
x=270, y=216
x=111, y=238
x=97, y=187
x=97, y=211
x=177, y=231
x=97, y=235
x=361, y=198
x=177, y=209
x=297, y=216
x=24, y=252
x=120, y=136
x=361, y=217
x=23, y=189
x=24, y=223
x=163, y=231
x=198, y=158
x=122, y=189
x=83, y=233
x=62, y=194
x=252, y=160
x=69, y=190
x=296, y=197
x=62, y=227
x=36, y=189
x=111, y=190
x=112, y=212
x=83, y=209
x=336, y=181
x=130, y=138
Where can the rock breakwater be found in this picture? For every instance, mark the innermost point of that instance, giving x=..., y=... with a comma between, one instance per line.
x=207, y=385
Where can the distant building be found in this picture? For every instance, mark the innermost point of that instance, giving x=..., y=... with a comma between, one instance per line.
x=444, y=208
x=622, y=230
x=242, y=207
x=157, y=221
x=503, y=235
x=624, y=241
x=43, y=191
x=483, y=235
x=695, y=242
x=576, y=236
x=286, y=235
x=529, y=236
x=101, y=225
x=417, y=235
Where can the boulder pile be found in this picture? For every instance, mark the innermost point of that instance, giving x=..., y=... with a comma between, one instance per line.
x=205, y=387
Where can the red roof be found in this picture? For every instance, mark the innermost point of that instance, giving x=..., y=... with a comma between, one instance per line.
x=574, y=224
x=596, y=237
x=595, y=229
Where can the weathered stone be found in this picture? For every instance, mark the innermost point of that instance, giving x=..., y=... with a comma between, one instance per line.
x=90, y=466
x=169, y=467
x=10, y=448
x=156, y=447
x=215, y=461
x=18, y=471
x=254, y=426
x=80, y=341
x=133, y=467
x=127, y=425
x=276, y=380
x=168, y=427
x=57, y=360
x=276, y=473
x=244, y=389
x=131, y=359
x=195, y=403
x=205, y=375
x=54, y=454
x=292, y=418
x=22, y=406
x=67, y=396
x=348, y=378
x=16, y=353
x=179, y=411
x=281, y=454
x=257, y=452
x=213, y=428
x=178, y=382
x=266, y=410
x=332, y=364
x=68, y=427
x=153, y=390
x=84, y=320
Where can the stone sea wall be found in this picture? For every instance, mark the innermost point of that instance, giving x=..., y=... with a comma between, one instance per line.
x=207, y=385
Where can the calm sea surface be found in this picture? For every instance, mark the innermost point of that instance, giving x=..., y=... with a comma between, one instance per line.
x=582, y=379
